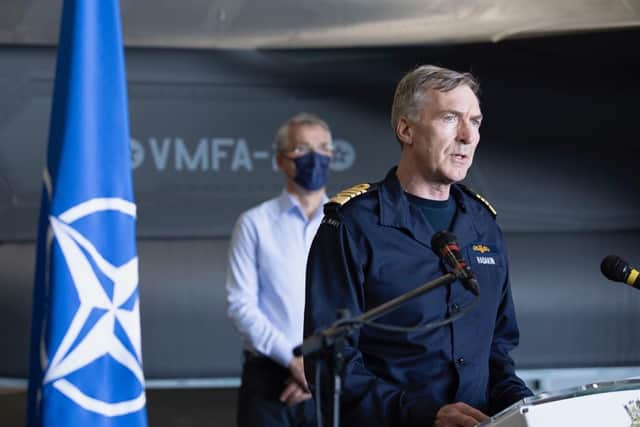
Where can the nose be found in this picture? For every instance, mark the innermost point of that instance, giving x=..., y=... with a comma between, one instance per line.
x=466, y=132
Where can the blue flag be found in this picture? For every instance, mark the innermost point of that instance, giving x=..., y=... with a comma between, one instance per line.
x=85, y=361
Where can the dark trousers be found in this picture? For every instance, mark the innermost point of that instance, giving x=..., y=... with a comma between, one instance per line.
x=263, y=380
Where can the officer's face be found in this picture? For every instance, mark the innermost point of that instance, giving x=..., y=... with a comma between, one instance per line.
x=445, y=135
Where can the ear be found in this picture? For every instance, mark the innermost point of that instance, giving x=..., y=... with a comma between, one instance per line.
x=280, y=161
x=286, y=165
x=404, y=131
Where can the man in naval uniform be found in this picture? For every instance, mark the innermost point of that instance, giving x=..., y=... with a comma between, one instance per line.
x=375, y=243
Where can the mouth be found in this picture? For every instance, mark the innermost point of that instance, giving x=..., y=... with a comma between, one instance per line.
x=459, y=157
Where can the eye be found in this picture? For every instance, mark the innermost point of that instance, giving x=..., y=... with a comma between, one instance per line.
x=476, y=122
x=327, y=148
x=450, y=118
x=302, y=149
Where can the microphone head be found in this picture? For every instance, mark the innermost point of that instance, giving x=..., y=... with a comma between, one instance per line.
x=442, y=239
x=614, y=268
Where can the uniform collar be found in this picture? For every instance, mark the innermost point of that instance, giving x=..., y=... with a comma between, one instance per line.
x=396, y=211
x=394, y=206
x=466, y=225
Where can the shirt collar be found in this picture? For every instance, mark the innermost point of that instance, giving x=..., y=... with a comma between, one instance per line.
x=288, y=203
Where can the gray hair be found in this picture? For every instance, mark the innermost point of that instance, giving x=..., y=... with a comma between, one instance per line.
x=300, y=119
x=410, y=95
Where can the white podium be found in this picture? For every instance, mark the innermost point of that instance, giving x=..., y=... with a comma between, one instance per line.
x=606, y=404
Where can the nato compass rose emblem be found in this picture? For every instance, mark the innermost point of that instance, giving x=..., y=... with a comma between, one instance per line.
x=102, y=335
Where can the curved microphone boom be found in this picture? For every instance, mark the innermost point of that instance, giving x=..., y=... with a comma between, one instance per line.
x=615, y=268
x=445, y=244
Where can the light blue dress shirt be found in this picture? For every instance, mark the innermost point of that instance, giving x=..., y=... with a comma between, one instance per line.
x=266, y=275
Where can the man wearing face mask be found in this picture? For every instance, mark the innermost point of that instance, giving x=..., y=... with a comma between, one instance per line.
x=266, y=278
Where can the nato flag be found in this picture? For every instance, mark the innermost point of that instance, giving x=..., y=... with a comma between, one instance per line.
x=85, y=361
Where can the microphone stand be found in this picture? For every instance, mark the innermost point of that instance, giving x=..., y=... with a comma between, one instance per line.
x=334, y=336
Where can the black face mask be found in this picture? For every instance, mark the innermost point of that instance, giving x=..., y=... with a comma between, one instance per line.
x=312, y=170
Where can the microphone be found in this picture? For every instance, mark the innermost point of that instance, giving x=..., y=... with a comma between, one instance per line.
x=444, y=243
x=616, y=269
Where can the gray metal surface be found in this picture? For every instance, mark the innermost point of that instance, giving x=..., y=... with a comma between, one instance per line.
x=556, y=153
x=326, y=23
x=558, y=159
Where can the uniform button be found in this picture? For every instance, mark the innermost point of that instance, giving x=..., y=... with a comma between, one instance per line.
x=455, y=308
x=460, y=361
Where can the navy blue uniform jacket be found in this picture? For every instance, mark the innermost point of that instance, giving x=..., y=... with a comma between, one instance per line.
x=377, y=246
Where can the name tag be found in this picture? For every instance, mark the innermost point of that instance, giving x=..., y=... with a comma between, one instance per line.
x=487, y=260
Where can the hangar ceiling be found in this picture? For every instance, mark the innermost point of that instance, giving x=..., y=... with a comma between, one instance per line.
x=325, y=23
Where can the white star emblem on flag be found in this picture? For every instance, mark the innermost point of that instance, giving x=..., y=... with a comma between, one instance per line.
x=101, y=339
